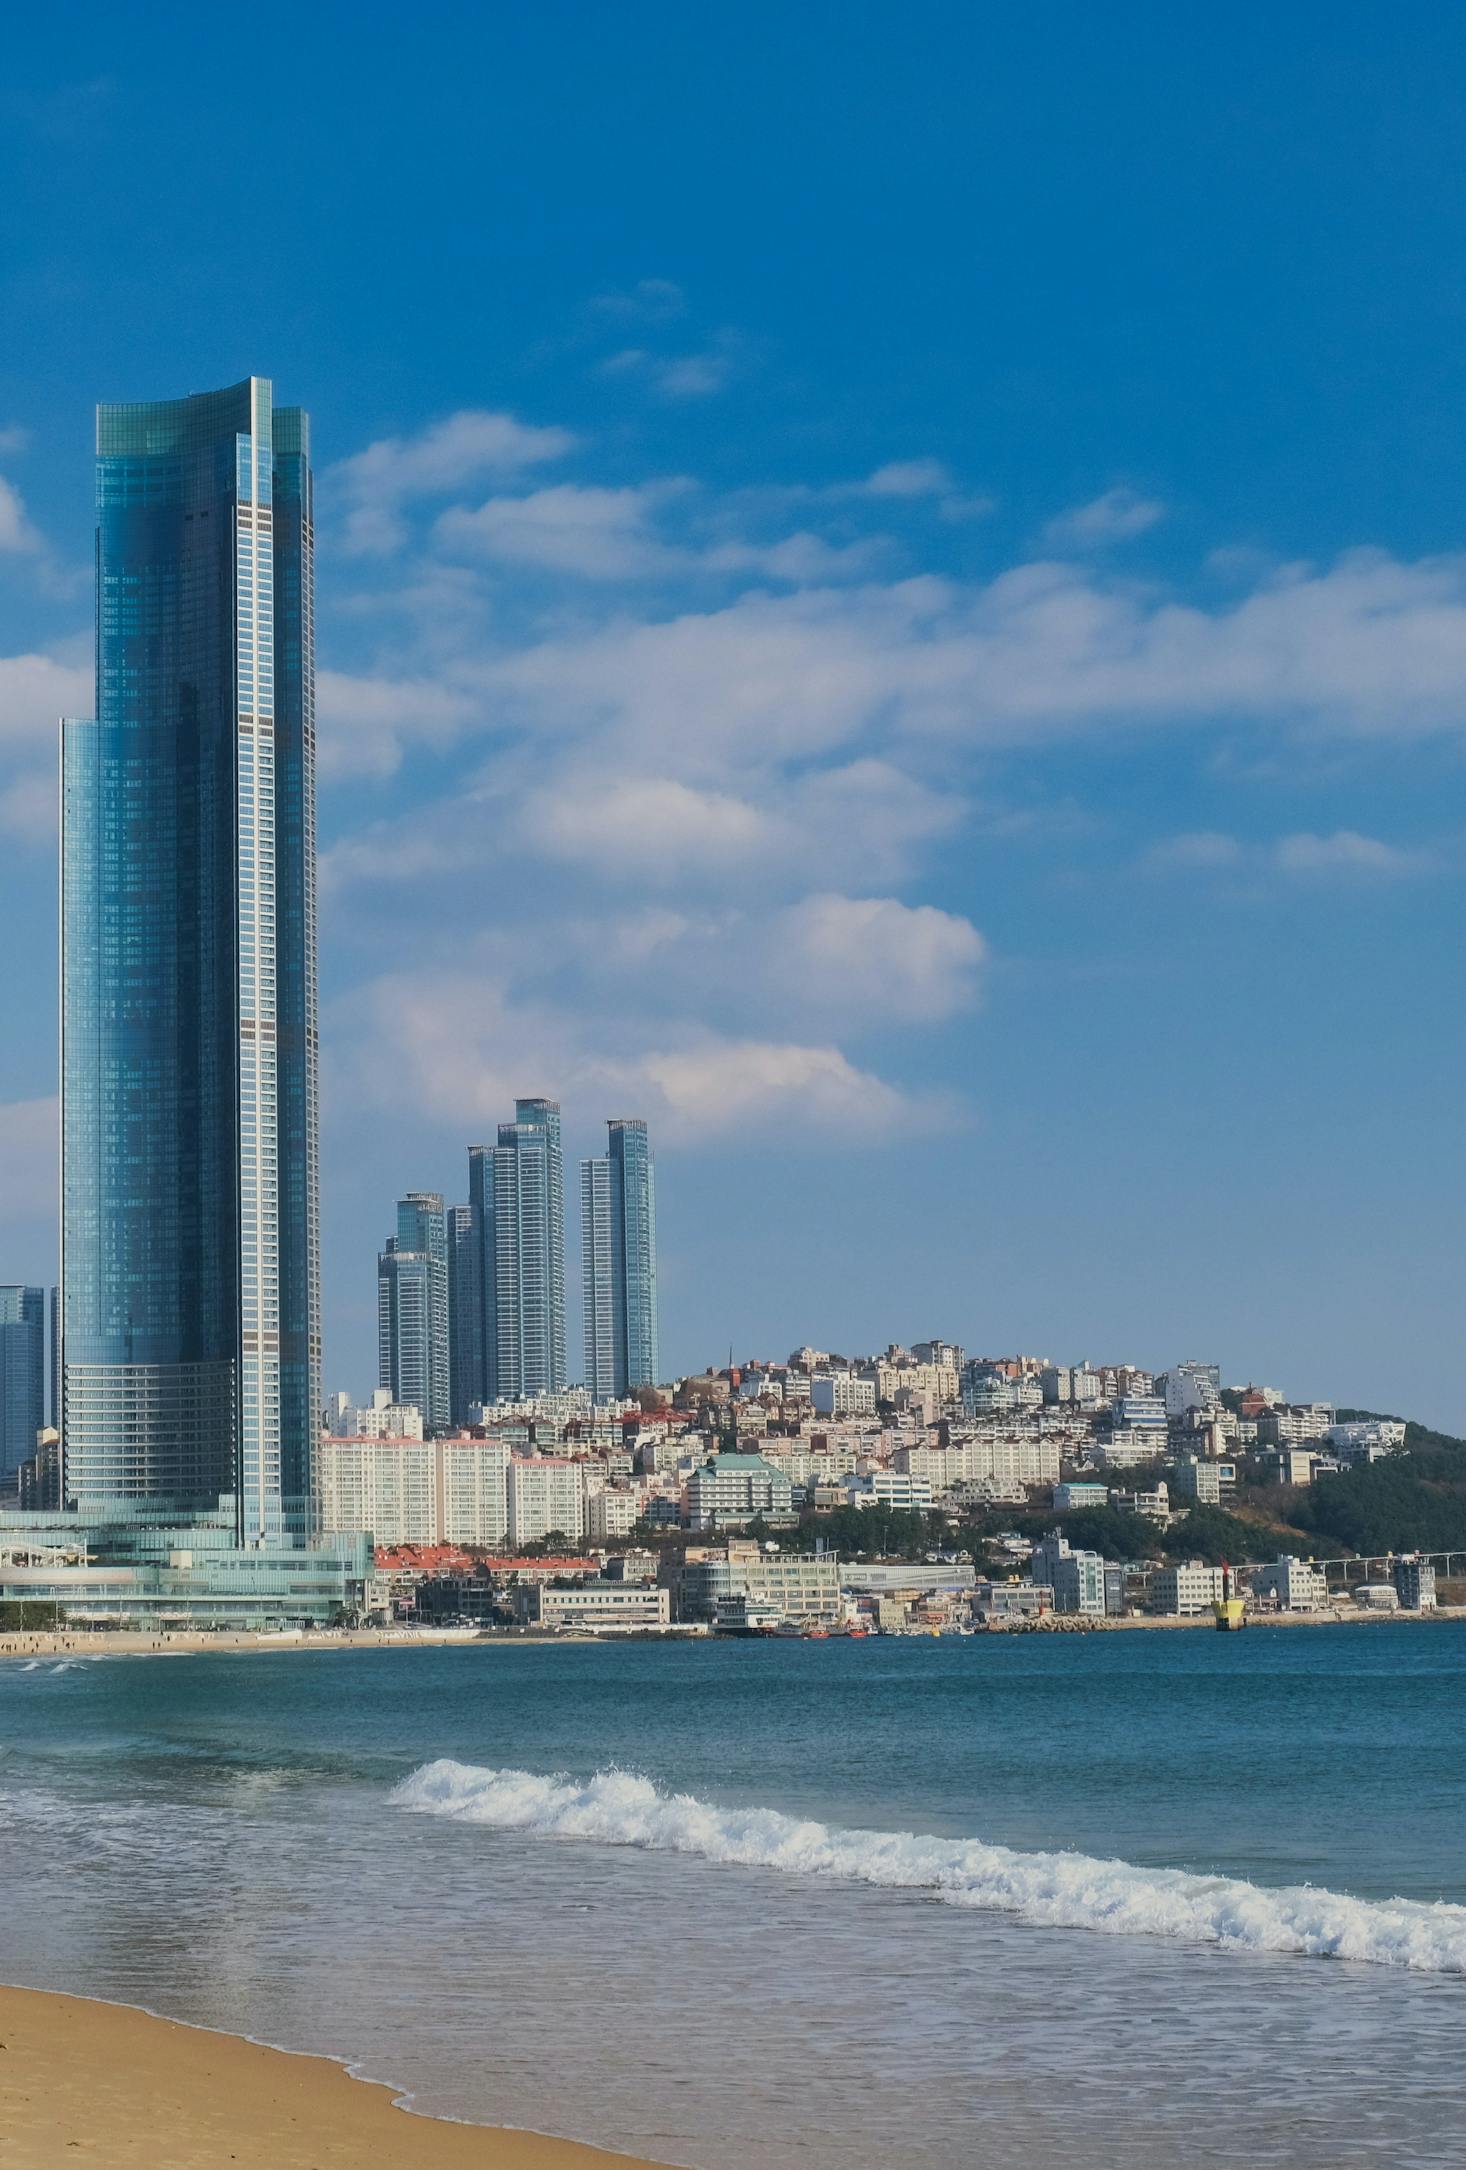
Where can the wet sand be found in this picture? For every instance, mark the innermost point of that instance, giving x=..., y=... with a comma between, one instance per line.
x=104, y=2084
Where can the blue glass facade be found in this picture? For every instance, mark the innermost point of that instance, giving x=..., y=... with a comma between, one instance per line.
x=190, y=1245
x=618, y=1212
x=22, y=1373
x=516, y=1271
x=412, y=1309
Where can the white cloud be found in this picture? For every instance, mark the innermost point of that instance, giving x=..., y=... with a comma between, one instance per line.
x=653, y=826
x=30, y=807
x=16, y=533
x=1115, y=517
x=692, y=1083
x=654, y=301
x=892, y=960
x=1346, y=853
x=447, y=456
x=677, y=376
x=35, y=692
x=908, y=478
x=366, y=722
x=714, y=1085
x=597, y=533
x=693, y=376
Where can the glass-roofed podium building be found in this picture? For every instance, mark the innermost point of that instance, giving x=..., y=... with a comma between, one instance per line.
x=190, y=1243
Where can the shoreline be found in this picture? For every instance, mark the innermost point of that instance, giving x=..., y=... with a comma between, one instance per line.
x=79, y=1644
x=83, y=2078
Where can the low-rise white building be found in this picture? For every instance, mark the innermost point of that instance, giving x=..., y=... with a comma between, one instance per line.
x=1080, y=1492
x=1184, y=1587
x=596, y=1607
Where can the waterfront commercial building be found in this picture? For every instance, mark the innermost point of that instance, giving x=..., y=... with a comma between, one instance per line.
x=1077, y=1579
x=788, y=1586
x=618, y=1220
x=190, y=1276
x=22, y=1374
x=412, y=1309
x=599, y=1608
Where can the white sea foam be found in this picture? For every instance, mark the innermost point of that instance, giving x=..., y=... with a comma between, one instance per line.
x=1059, y=1890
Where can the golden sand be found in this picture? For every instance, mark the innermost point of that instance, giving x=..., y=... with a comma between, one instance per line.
x=103, y=2084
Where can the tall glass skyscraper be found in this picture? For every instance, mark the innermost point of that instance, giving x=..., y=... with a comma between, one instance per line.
x=22, y=1373
x=618, y=1230
x=516, y=1192
x=412, y=1309
x=467, y=1384
x=190, y=1238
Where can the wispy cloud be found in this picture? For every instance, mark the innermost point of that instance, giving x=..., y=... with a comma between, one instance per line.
x=1344, y=855
x=695, y=375
x=1115, y=517
x=16, y=532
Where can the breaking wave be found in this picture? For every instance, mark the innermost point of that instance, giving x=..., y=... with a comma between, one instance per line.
x=1057, y=1890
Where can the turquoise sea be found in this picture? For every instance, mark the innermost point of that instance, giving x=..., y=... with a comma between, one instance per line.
x=1124, y=1899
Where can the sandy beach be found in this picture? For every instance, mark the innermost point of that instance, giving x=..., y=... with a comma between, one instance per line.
x=101, y=2083
x=67, y=1643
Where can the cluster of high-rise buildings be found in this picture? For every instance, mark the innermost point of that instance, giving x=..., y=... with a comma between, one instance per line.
x=471, y=1298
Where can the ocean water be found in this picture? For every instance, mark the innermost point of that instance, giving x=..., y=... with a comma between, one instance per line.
x=1121, y=1900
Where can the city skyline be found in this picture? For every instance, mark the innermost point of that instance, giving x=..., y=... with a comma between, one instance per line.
x=857, y=705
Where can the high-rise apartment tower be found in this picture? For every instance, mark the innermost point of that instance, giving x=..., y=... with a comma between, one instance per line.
x=412, y=1309
x=618, y=1230
x=511, y=1286
x=22, y=1373
x=190, y=1245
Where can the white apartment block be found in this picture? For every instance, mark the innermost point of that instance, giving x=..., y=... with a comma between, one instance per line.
x=842, y=1394
x=938, y=1380
x=613, y=1511
x=414, y=1491
x=1198, y=1480
x=473, y=1491
x=384, y=1486
x=1297, y=1585
x=545, y=1493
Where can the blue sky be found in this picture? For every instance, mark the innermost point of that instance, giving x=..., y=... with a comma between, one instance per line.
x=892, y=597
